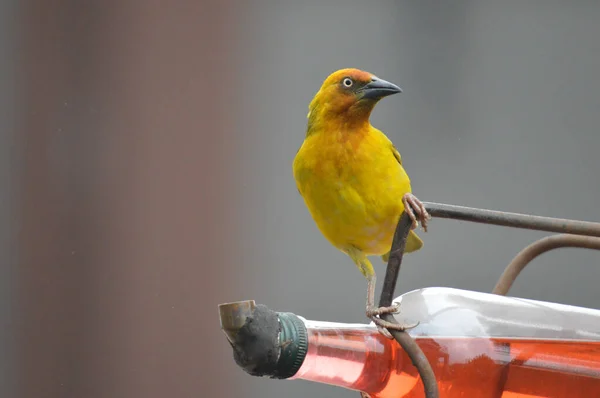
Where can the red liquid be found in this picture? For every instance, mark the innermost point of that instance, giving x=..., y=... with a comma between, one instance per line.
x=359, y=358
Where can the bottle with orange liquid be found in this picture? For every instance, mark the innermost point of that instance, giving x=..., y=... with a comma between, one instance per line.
x=478, y=344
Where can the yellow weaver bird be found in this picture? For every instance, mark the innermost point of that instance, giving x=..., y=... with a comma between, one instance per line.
x=351, y=178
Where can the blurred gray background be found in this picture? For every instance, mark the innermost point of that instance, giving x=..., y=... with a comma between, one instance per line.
x=145, y=172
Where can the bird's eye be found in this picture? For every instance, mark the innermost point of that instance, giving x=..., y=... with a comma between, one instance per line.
x=347, y=82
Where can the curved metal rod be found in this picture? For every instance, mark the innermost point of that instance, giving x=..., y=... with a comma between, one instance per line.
x=407, y=343
x=525, y=256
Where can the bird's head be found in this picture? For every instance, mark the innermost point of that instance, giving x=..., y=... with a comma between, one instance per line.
x=348, y=95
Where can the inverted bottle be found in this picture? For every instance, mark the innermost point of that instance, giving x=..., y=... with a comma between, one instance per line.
x=479, y=345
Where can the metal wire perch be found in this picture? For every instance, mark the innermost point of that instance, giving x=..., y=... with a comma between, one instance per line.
x=575, y=233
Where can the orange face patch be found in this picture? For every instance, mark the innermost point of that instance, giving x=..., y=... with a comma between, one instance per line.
x=338, y=92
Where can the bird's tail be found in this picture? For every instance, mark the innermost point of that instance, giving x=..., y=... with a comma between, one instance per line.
x=413, y=243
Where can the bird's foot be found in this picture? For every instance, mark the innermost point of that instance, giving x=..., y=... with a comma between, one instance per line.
x=376, y=311
x=364, y=395
x=373, y=313
x=413, y=205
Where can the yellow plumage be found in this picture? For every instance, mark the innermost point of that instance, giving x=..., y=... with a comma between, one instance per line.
x=350, y=174
x=353, y=188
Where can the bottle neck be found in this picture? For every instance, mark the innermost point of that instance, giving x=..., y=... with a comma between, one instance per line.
x=339, y=354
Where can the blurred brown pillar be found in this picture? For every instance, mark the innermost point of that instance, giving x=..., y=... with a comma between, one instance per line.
x=124, y=223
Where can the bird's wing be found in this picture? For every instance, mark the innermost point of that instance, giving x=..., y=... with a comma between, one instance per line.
x=295, y=170
x=396, y=154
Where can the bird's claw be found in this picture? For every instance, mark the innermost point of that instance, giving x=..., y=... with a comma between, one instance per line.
x=364, y=395
x=413, y=205
x=386, y=333
x=376, y=311
x=382, y=325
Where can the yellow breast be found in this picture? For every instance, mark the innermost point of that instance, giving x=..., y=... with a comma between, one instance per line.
x=352, y=185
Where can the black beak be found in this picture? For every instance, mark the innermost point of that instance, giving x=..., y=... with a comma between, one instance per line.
x=379, y=88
